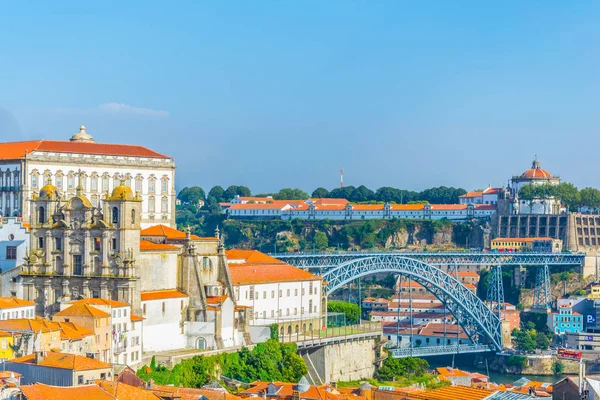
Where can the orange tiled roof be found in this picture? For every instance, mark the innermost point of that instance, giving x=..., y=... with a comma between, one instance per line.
x=249, y=256
x=243, y=274
x=329, y=201
x=216, y=299
x=135, y=317
x=367, y=207
x=28, y=325
x=40, y=391
x=468, y=273
x=121, y=390
x=407, y=207
x=162, y=294
x=485, y=206
x=71, y=331
x=471, y=194
x=446, y=393
x=536, y=173
x=5, y=334
x=18, y=150
x=259, y=206
x=168, y=232
x=521, y=239
x=64, y=361
x=190, y=393
x=451, y=372
x=82, y=310
x=94, y=301
x=13, y=302
x=146, y=245
x=444, y=207
x=435, y=329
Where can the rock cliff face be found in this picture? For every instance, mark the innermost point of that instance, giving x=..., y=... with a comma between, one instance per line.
x=535, y=365
x=558, y=288
x=382, y=234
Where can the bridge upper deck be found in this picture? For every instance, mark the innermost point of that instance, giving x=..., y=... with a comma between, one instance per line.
x=333, y=259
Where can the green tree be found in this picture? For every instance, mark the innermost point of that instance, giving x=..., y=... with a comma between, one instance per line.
x=217, y=193
x=361, y=194
x=234, y=190
x=590, y=197
x=350, y=310
x=191, y=195
x=517, y=361
x=320, y=193
x=321, y=240
x=557, y=367
x=342, y=193
x=568, y=195
x=291, y=194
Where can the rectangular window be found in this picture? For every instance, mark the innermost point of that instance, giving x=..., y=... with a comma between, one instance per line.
x=138, y=185
x=264, y=295
x=105, y=184
x=164, y=205
x=114, y=244
x=151, y=184
x=34, y=181
x=77, y=265
x=59, y=182
x=288, y=293
x=58, y=243
x=163, y=186
x=11, y=252
x=80, y=379
x=272, y=294
x=251, y=292
x=97, y=244
x=70, y=182
x=144, y=309
x=164, y=307
x=94, y=183
x=40, y=243
x=151, y=205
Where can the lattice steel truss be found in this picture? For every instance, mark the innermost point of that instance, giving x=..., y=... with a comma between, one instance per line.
x=542, y=297
x=495, y=292
x=330, y=260
x=476, y=319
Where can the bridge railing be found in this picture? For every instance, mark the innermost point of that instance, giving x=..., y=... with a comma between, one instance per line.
x=438, y=350
x=318, y=336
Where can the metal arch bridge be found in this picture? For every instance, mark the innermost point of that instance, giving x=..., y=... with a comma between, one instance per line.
x=330, y=260
x=476, y=319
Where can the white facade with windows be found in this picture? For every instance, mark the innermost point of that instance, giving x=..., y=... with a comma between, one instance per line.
x=98, y=167
x=15, y=308
x=164, y=316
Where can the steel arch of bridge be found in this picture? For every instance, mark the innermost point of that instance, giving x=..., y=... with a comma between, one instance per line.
x=471, y=313
x=330, y=260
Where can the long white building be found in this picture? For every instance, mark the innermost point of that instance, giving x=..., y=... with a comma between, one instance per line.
x=26, y=167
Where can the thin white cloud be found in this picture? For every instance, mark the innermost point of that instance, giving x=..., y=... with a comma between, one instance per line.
x=120, y=108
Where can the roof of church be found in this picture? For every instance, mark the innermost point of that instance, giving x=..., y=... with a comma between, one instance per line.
x=146, y=245
x=122, y=192
x=80, y=143
x=168, y=232
x=162, y=294
x=536, y=172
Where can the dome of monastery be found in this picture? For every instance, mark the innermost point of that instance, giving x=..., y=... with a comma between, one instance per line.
x=122, y=192
x=49, y=190
x=536, y=172
x=82, y=136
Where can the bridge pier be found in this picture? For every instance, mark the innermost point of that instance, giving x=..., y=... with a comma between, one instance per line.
x=542, y=297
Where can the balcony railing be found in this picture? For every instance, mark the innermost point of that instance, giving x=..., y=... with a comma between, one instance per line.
x=9, y=188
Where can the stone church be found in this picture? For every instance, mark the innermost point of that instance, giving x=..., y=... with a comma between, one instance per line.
x=78, y=250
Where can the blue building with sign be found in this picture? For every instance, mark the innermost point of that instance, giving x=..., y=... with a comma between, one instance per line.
x=565, y=320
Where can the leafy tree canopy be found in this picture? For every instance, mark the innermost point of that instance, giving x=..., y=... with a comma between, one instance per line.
x=291, y=194
x=320, y=193
x=191, y=195
x=351, y=310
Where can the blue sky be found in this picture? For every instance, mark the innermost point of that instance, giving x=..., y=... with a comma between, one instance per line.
x=273, y=94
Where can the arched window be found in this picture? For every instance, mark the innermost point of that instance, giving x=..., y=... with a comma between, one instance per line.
x=132, y=217
x=115, y=215
x=289, y=329
x=41, y=215
x=201, y=343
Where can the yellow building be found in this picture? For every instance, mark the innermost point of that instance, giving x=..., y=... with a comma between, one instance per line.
x=594, y=292
x=536, y=244
x=6, y=343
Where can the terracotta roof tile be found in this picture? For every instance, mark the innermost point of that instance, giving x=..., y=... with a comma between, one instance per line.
x=249, y=256
x=82, y=310
x=191, y=394
x=40, y=391
x=14, y=302
x=168, y=232
x=146, y=245
x=162, y=294
x=136, y=317
x=123, y=391
x=28, y=325
x=18, y=150
x=64, y=361
x=71, y=331
x=243, y=274
x=94, y=301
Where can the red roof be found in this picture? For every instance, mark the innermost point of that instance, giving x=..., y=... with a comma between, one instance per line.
x=167, y=232
x=162, y=294
x=242, y=274
x=64, y=361
x=146, y=245
x=18, y=150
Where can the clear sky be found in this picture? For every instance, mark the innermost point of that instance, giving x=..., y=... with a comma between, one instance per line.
x=273, y=94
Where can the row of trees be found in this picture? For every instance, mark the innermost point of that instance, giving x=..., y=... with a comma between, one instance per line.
x=268, y=361
x=436, y=195
x=567, y=193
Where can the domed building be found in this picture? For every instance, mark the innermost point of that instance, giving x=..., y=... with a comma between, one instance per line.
x=535, y=175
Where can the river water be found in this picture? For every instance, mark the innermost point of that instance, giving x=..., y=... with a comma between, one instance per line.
x=465, y=362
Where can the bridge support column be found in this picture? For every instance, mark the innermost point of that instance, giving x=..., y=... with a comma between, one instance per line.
x=495, y=292
x=542, y=298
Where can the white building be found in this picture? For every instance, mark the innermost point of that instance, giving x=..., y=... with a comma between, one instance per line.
x=164, y=316
x=25, y=167
x=536, y=175
x=486, y=196
x=276, y=292
x=14, y=241
x=15, y=308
